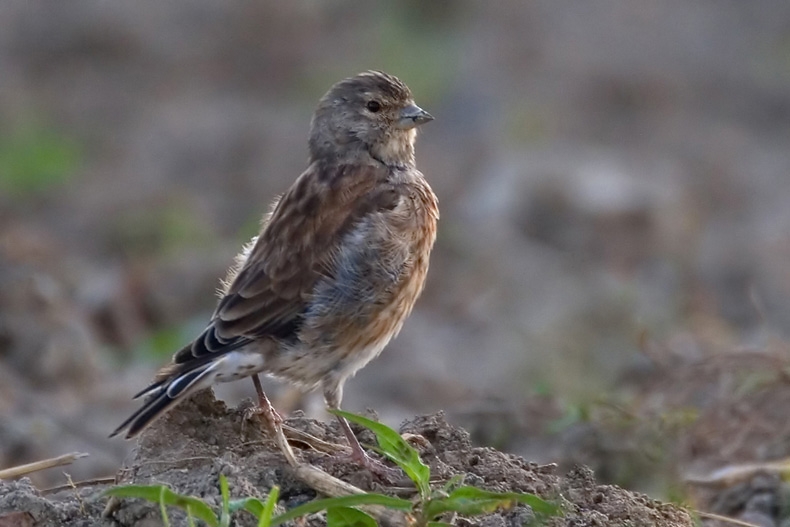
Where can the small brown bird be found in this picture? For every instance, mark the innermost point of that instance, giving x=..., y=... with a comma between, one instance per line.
x=338, y=264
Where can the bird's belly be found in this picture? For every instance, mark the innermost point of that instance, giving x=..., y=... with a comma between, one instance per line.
x=338, y=357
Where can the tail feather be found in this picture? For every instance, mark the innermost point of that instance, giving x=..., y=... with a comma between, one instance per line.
x=165, y=394
x=153, y=389
x=184, y=384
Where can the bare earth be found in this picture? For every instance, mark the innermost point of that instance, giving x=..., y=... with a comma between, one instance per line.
x=203, y=438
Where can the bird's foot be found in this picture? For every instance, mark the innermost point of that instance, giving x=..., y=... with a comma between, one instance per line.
x=359, y=456
x=269, y=417
x=377, y=468
x=274, y=423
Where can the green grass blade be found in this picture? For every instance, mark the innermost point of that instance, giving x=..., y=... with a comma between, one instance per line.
x=224, y=517
x=265, y=519
x=146, y=492
x=539, y=506
x=163, y=495
x=472, y=501
x=260, y=509
x=252, y=505
x=397, y=450
x=163, y=507
x=348, y=517
x=343, y=501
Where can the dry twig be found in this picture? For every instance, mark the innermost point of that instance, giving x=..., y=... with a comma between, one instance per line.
x=21, y=470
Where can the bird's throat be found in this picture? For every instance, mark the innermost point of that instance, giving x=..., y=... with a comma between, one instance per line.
x=397, y=151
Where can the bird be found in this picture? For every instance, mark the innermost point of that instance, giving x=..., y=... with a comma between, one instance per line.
x=336, y=268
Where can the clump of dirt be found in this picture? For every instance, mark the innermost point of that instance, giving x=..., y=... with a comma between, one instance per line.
x=190, y=447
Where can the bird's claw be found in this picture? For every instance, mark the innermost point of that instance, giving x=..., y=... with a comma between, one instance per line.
x=269, y=417
x=377, y=468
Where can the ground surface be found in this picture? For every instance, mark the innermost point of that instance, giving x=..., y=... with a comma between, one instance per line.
x=203, y=438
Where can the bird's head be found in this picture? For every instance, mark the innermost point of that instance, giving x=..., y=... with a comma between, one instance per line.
x=373, y=113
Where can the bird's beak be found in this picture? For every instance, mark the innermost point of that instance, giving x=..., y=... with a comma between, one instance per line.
x=413, y=116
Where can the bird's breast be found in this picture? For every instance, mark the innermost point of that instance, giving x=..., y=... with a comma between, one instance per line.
x=413, y=222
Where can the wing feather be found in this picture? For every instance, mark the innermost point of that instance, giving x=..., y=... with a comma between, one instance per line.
x=270, y=293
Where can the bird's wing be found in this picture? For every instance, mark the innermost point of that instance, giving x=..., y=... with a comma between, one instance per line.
x=270, y=292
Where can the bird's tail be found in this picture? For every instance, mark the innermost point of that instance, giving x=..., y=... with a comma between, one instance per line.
x=164, y=394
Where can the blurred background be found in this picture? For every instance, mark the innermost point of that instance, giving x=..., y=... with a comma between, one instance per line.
x=610, y=285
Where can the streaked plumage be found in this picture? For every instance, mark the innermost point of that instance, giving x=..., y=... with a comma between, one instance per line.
x=339, y=262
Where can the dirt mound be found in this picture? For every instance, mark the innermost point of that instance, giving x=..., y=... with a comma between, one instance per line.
x=190, y=447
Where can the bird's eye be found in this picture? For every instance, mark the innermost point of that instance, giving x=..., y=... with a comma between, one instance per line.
x=373, y=106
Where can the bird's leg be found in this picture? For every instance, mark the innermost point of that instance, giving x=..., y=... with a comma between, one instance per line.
x=332, y=395
x=274, y=422
x=272, y=419
x=358, y=455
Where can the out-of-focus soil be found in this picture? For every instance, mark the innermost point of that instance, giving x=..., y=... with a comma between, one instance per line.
x=189, y=448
